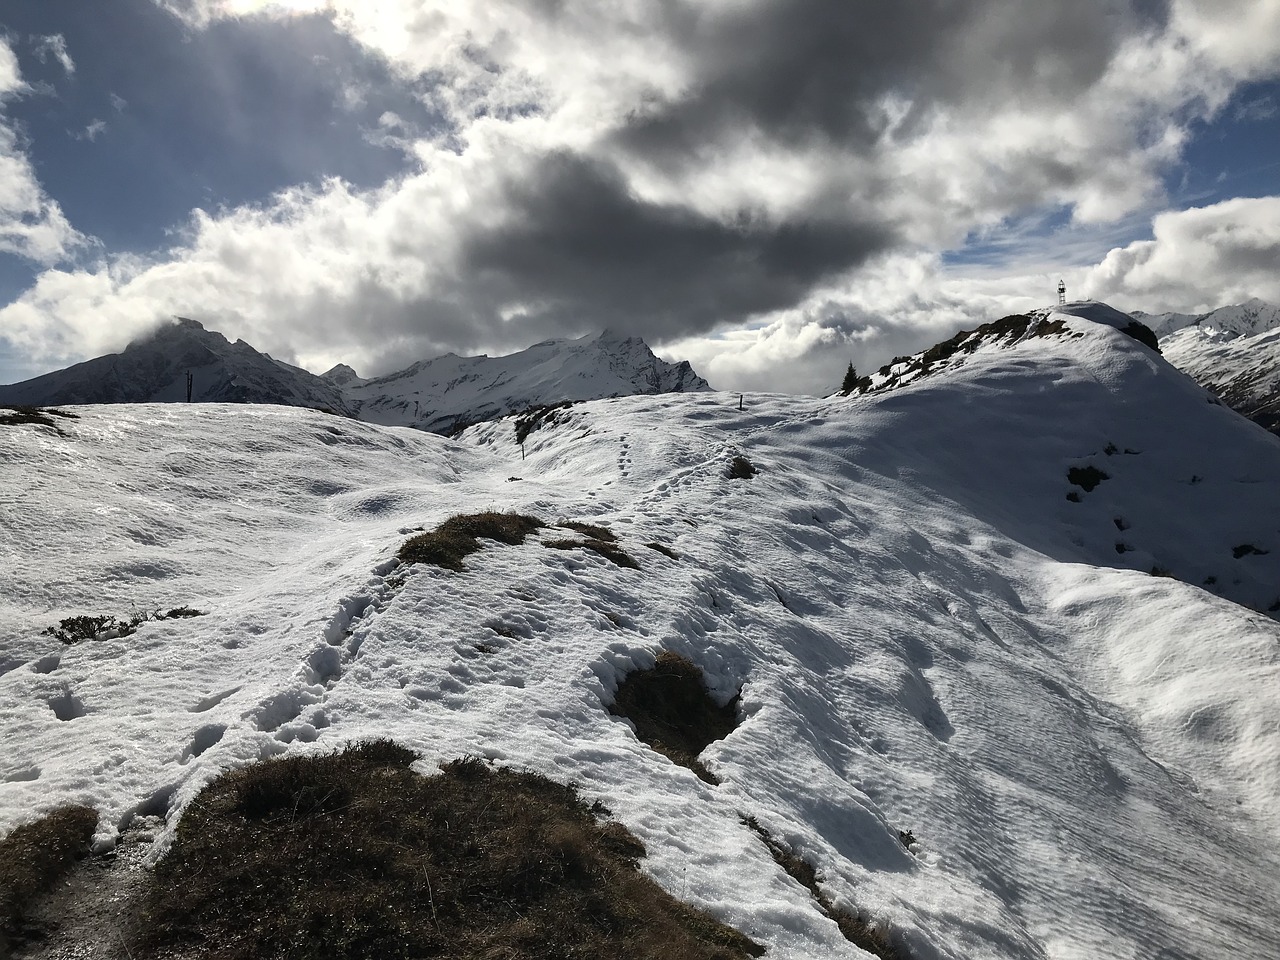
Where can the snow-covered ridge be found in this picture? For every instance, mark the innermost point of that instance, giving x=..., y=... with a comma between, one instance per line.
x=933, y=627
x=438, y=395
x=1233, y=351
x=1252, y=317
x=1003, y=333
x=451, y=391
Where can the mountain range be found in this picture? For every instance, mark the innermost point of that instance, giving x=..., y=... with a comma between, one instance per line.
x=1234, y=351
x=438, y=395
x=995, y=640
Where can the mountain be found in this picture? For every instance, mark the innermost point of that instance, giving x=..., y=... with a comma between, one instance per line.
x=999, y=643
x=1238, y=320
x=438, y=395
x=1233, y=351
x=154, y=369
x=451, y=391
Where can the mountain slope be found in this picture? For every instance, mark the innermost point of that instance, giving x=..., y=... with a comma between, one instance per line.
x=928, y=635
x=1235, y=352
x=438, y=395
x=155, y=368
x=450, y=391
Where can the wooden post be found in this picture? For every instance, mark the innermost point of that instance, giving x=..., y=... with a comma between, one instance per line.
x=740, y=401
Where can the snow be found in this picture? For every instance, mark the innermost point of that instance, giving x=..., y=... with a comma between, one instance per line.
x=928, y=635
x=448, y=391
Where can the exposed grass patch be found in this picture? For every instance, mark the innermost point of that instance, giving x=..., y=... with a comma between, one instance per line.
x=594, y=531
x=673, y=712
x=459, y=536
x=1086, y=477
x=663, y=549
x=1247, y=550
x=855, y=927
x=76, y=629
x=740, y=468
x=11, y=416
x=610, y=551
x=536, y=418
x=33, y=858
x=1143, y=334
x=353, y=855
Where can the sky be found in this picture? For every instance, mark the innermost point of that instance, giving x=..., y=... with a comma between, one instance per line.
x=771, y=189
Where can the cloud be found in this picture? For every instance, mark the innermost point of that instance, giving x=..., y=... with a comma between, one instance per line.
x=32, y=225
x=747, y=180
x=92, y=131
x=54, y=46
x=1199, y=259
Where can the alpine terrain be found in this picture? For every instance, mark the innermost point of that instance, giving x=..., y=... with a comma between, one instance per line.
x=993, y=639
x=438, y=395
x=1234, y=351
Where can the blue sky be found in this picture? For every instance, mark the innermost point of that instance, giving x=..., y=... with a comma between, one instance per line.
x=765, y=190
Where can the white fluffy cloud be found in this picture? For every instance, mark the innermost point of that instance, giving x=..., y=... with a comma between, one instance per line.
x=766, y=186
x=32, y=224
x=1199, y=259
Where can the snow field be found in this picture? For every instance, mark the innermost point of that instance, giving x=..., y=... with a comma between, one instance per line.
x=927, y=634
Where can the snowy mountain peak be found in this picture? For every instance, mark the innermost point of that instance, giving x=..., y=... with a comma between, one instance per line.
x=449, y=392
x=342, y=375
x=1056, y=321
x=1251, y=317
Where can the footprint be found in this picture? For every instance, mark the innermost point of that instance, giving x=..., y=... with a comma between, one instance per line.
x=324, y=666
x=25, y=774
x=275, y=712
x=203, y=739
x=211, y=701
x=67, y=706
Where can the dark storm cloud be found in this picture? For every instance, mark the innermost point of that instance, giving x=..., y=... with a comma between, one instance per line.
x=582, y=250
x=800, y=70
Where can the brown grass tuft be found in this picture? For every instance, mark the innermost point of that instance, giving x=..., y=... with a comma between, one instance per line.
x=353, y=855
x=459, y=536
x=610, y=551
x=673, y=712
x=34, y=857
x=855, y=927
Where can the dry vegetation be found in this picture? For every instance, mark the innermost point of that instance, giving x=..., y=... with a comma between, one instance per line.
x=33, y=858
x=673, y=712
x=353, y=855
x=459, y=537
x=855, y=927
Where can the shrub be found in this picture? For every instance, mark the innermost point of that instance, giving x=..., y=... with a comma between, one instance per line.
x=1247, y=550
x=458, y=537
x=535, y=418
x=740, y=468
x=855, y=927
x=673, y=712
x=353, y=855
x=75, y=629
x=34, y=857
x=1143, y=334
x=1086, y=477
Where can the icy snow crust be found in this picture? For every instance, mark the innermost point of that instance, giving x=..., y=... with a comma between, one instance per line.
x=928, y=636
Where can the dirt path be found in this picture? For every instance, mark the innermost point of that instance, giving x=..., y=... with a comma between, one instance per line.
x=85, y=917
